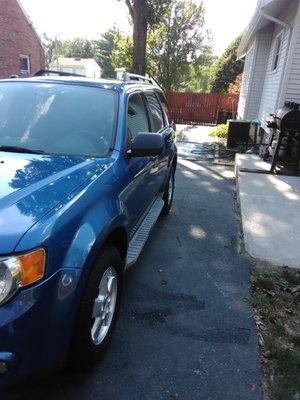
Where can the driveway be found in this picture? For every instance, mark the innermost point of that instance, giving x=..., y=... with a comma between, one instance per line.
x=185, y=330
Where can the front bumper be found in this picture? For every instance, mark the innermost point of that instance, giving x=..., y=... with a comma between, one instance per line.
x=36, y=327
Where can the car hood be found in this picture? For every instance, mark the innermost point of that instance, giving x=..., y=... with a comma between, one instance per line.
x=32, y=185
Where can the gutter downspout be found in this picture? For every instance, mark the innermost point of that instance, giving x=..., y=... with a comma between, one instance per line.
x=287, y=28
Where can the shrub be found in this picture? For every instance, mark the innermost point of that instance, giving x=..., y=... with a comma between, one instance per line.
x=264, y=302
x=220, y=131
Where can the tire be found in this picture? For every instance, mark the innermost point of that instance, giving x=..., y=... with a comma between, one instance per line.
x=169, y=192
x=87, y=347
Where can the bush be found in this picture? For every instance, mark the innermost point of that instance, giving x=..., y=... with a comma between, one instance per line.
x=220, y=131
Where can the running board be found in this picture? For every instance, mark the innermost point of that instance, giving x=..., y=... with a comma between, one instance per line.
x=141, y=236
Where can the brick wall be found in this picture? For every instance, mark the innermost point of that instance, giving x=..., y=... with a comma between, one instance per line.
x=17, y=37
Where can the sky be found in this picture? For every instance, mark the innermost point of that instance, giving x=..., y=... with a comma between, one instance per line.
x=90, y=18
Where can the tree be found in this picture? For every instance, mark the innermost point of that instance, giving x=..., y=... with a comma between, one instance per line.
x=145, y=14
x=122, y=54
x=103, y=49
x=50, y=50
x=226, y=68
x=236, y=86
x=77, y=47
x=179, y=44
x=199, y=78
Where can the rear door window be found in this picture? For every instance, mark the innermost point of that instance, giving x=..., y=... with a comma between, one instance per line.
x=163, y=101
x=155, y=112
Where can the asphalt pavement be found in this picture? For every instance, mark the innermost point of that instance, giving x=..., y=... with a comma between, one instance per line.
x=185, y=329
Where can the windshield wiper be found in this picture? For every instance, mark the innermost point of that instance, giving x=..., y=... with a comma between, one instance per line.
x=16, y=149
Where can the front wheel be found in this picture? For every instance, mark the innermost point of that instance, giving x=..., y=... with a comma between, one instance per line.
x=169, y=192
x=97, y=311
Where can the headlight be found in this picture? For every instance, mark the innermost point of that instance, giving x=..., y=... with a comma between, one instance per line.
x=19, y=271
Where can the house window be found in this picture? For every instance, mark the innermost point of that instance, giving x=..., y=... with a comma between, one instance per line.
x=277, y=50
x=24, y=65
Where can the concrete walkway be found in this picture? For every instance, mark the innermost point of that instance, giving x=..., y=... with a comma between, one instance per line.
x=194, y=143
x=270, y=210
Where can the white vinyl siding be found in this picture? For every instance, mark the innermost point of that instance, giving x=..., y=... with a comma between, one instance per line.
x=273, y=94
x=265, y=87
x=246, y=82
x=273, y=78
x=258, y=75
x=292, y=82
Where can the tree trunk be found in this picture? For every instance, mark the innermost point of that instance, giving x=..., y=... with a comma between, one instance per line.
x=139, y=37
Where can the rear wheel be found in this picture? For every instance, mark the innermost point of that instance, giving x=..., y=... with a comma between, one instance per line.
x=169, y=192
x=98, y=310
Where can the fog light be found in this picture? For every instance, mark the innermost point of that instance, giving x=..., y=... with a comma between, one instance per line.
x=3, y=368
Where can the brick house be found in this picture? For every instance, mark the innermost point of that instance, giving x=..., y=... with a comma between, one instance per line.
x=21, y=50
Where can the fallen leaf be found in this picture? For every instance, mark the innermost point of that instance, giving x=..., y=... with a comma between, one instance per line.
x=160, y=270
x=289, y=311
x=267, y=354
x=295, y=289
x=163, y=282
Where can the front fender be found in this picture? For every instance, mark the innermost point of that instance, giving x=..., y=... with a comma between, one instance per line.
x=90, y=237
x=70, y=243
x=79, y=226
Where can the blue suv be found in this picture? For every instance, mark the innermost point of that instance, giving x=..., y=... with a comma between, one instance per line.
x=86, y=168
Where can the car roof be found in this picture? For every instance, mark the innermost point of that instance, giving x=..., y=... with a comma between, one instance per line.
x=112, y=84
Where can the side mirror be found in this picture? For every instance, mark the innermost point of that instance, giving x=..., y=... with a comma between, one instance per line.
x=147, y=144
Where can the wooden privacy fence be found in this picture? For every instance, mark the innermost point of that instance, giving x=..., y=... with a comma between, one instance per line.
x=199, y=107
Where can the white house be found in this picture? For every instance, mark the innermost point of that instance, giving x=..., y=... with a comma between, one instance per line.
x=81, y=66
x=271, y=48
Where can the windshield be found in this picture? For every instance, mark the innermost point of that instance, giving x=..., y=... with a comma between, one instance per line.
x=57, y=118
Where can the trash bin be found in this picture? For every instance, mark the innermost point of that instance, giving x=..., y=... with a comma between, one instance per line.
x=238, y=133
x=223, y=116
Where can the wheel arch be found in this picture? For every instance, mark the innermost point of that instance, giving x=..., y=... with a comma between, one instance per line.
x=118, y=238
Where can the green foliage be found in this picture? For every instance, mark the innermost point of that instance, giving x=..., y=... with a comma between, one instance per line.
x=265, y=302
x=226, y=69
x=50, y=51
x=145, y=15
x=287, y=358
x=111, y=50
x=200, y=72
x=291, y=277
x=77, y=47
x=220, y=131
x=103, y=50
x=122, y=54
x=178, y=45
x=179, y=49
x=277, y=306
x=286, y=387
x=279, y=328
x=152, y=10
x=295, y=338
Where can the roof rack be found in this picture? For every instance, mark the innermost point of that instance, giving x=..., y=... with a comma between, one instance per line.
x=45, y=72
x=139, y=78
